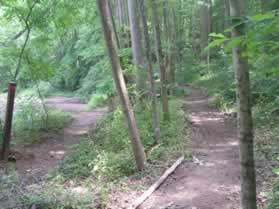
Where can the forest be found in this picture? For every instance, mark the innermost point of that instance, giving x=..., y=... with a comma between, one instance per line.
x=139, y=104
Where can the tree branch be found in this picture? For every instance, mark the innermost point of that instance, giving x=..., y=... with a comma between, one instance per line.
x=28, y=28
x=19, y=34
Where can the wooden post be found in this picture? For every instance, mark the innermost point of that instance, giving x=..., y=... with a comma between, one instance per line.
x=8, y=121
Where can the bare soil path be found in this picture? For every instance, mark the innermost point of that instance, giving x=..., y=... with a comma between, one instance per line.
x=41, y=157
x=211, y=180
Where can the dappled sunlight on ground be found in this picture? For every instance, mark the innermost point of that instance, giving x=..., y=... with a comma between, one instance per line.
x=211, y=179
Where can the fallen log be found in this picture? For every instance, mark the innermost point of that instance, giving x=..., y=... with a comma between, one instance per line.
x=156, y=185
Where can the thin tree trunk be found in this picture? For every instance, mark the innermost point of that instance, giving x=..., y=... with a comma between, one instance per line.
x=136, y=44
x=266, y=5
x=204, y=14
x=109, y=7
x=163, y=75
x=245, y=122
x=225, y=14
x=209, y=23
x=120, y=7
x=167, y=33
x=173, y=50
x=195, y=35
x=155, y=112
x=121, y=87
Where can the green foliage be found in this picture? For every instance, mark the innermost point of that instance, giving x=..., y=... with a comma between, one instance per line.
x=106, y=154
x=84, y=177
x=97, y=100
x=55, y=196
x=32, y=122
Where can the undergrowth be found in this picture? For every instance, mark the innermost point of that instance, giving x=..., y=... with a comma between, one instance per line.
x=218, y=80
x=104, y=158
x=33, y=121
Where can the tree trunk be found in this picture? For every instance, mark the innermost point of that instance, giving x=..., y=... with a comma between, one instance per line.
x=159, y=53
x=173, y=49
x=136, y=44
x=245, y=122
x=209, y=25
x=226, y=14
x=204, y=16
x=195, y=35
x=121, y=19
x=155, y=112
x=109, y=12
x=266, y=5
x=121, y=87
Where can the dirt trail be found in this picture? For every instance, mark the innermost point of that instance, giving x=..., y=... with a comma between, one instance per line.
x=211, y=180
x=41, y=157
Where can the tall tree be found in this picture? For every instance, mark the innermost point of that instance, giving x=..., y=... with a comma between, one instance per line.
x=120, y=86
x=173, y=48
x=136, y=44
x=159, y=53
x=121, y=14
x=110, y=13
x=245, y=122
x=155, y=112
x=205, y=23
x=166, y=35
x=266, y=5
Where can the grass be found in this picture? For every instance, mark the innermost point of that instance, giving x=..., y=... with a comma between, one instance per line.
x=33, y=121
x=33, y=124
x=104, y=159
x=97, y=100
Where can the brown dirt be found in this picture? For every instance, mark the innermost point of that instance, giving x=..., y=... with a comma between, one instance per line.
x=211, y=180
x=45, y=155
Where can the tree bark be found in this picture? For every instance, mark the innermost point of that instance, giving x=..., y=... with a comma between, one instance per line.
x=136, y=44
x=226, y=14
x=155, y=112
x=109, y=7
x=245, y=122
x=266, y=5
x=173, y=49
x=159, y=53
x=121, y=87
x=121, y=13
x=167, y=33
x=204, y=16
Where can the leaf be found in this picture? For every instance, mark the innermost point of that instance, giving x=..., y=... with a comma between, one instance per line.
x=233, y=43
x=261, y=17
x=276, y=171
x=217, y=35
x=215, y=43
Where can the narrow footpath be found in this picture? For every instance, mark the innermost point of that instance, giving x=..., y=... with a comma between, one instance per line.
x=211, y=180
x=41, y=157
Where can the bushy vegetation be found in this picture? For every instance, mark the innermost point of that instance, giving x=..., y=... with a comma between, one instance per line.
x=33, y=124
x=105, y=157
x=54, y=47
x=217, y=77
x=33, y=121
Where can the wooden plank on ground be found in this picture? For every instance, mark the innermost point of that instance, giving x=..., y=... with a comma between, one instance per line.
x=156, y=185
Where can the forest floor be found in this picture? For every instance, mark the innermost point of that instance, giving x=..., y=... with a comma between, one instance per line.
x=212, y=179
x=45, y=155
x=209, y=180
x=35, y=161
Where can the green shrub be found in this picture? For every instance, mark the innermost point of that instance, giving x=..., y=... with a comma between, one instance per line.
x=32, y=121
x=106, y=157
x=55, y=196
x=107, y=154
x=97, y=100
